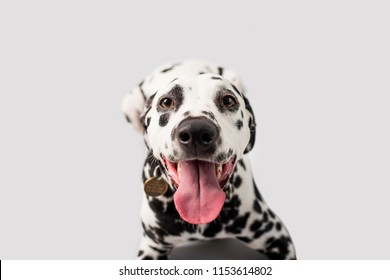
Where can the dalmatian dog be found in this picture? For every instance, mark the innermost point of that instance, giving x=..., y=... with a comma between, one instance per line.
x=198, y=127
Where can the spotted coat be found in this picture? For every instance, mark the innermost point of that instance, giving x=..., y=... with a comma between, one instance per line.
x=156, y=107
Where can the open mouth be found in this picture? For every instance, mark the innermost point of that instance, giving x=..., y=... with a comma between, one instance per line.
x=200, y=195
x=222, y=171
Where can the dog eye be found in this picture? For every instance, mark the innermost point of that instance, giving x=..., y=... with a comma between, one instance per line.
x=229, y=101
x=166, y=103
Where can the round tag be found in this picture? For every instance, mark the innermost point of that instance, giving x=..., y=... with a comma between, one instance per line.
x=155, y=186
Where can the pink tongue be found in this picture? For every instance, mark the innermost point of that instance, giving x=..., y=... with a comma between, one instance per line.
x=199, y=198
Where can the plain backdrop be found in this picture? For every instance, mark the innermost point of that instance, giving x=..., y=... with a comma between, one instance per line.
x=316, y=72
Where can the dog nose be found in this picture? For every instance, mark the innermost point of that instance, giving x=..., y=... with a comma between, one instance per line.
x=197, y=134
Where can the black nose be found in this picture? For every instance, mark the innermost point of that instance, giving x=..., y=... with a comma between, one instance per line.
x=197, y=135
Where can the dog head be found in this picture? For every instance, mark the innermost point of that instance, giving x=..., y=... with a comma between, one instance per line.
x=197, y=127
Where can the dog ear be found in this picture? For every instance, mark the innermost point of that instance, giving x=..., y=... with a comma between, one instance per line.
x=133, y=107
x=252, y=126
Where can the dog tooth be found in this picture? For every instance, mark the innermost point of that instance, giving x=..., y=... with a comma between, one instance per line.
x=218, y=170
x=179, y=168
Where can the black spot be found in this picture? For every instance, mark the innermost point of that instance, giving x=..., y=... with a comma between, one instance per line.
x=236, y=90
x=216, y=78
x=147, y=258
x=147, y=122
x=164, y=118
x=230, y=209
x=156, y=205
x=212, y=229
x=278, y=226
x=235, y=169
x=229, y=153
x=169, y=68
x=244, y=239
x=257, y=193
x=149, y=101
x=260, y=232
x=256, y=225
x=251, y=125
x=239, y=124
x=265, y=217
x=271, y=213
x=157, y=234
x=140, y=253
x=150, y=234
x=257, y=207
x=127, y=119
x=157, y=170
x=242, y=114
x=220, y=71
x=176, y=93
x=242, y=164
x=237, y=181
x=143, y=116
x=186, y=114
x=144, y=176
x=238, y=224
x=270, y=240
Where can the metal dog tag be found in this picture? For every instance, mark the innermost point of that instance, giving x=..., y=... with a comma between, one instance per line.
x=155, y=186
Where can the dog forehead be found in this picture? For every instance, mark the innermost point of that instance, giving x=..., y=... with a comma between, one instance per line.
x=194, y=88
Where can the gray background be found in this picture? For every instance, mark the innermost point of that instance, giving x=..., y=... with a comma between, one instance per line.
x=318, y=79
